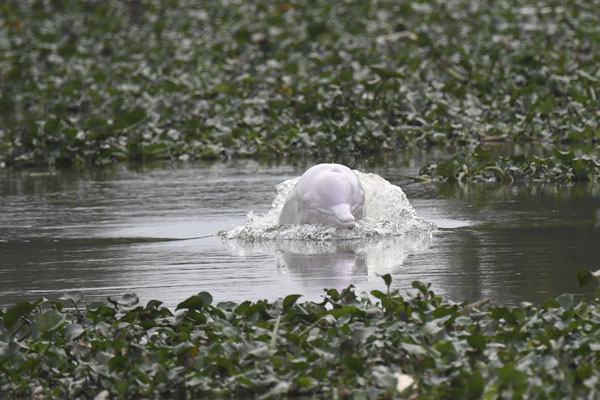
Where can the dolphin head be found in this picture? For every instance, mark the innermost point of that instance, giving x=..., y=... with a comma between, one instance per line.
x=334, y=198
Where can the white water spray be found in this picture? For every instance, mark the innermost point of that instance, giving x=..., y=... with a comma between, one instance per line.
x=388, y=214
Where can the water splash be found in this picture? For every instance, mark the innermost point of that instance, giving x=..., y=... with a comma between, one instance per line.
x=388, y=214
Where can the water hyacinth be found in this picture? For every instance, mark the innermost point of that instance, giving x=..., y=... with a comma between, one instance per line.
x=382, y=345
x=102, y=81
x=481, y=166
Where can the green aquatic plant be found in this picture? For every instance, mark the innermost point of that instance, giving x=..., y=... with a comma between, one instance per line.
x=481, y=166
x=382, y=345
x=100, y=81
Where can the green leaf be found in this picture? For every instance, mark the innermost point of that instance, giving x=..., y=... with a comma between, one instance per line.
x=192, y=303
x=280, y=388
x=476, y=385
x=566, y=301
x=445, y=348
x=549, y=362
x=50, y=320
x=477, y=340
x=117, y=362
x=13, y=314
x=547, y=105
x=182, y=347
x=346, y=74
x=316, y=28
x=244, y=381
x=360, y=334
x=421, y=287
x=97, y=305
x=414, y=349
x=196, y=302
x=128, y=121
x=584, y=277
x=129, y=301
x=448, y=169
x=290, y=300
x=74, y=297
x=73, y=331
x=304, y=381
x=386, y=73
x=387, y=278
x=354, y=363
x=207, y=297
x=153, y=304
x=563, y=156
x=344, y=310
x=491, y=392
x=551, y=303
x=261, y=351
x=384, y=376
x=156, y=149
x=497, y=171
x=482, y=155
x=435, y=326
x=333, y=294
x=509, y=375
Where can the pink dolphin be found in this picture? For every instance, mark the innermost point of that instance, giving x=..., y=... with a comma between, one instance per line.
x=328, y=194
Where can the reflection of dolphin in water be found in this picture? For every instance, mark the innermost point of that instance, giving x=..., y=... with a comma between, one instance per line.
x=335, y=269
x=334, y=263
x=327, y=194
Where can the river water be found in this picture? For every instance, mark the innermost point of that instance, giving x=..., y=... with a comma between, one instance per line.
x=116, y=230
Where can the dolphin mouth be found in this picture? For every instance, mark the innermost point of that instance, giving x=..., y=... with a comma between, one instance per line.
x=342, y=216
x=348, y=224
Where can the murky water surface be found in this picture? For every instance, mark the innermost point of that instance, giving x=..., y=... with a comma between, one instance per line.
x=117, y=230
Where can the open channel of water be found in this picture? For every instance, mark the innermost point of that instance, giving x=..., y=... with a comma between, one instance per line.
x=111, y=231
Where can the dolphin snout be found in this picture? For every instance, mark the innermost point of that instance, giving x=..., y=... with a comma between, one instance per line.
x=349, y=224
x=344, y=216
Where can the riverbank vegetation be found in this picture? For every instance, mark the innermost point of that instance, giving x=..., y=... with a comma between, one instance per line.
x=481, y=166
x=386, y=345
x=101, y=81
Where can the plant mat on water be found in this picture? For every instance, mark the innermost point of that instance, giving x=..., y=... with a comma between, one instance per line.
x=94, y=82
x=481, y=166
x=383, y=345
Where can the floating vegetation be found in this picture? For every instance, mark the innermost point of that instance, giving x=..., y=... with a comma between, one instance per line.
x=347, y=346
x=481, y=166
x=101, y=81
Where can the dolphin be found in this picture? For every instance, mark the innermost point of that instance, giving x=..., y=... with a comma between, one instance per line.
x=327, y=194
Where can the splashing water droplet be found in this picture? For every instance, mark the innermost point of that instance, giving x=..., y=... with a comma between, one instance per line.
x=387, y=209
